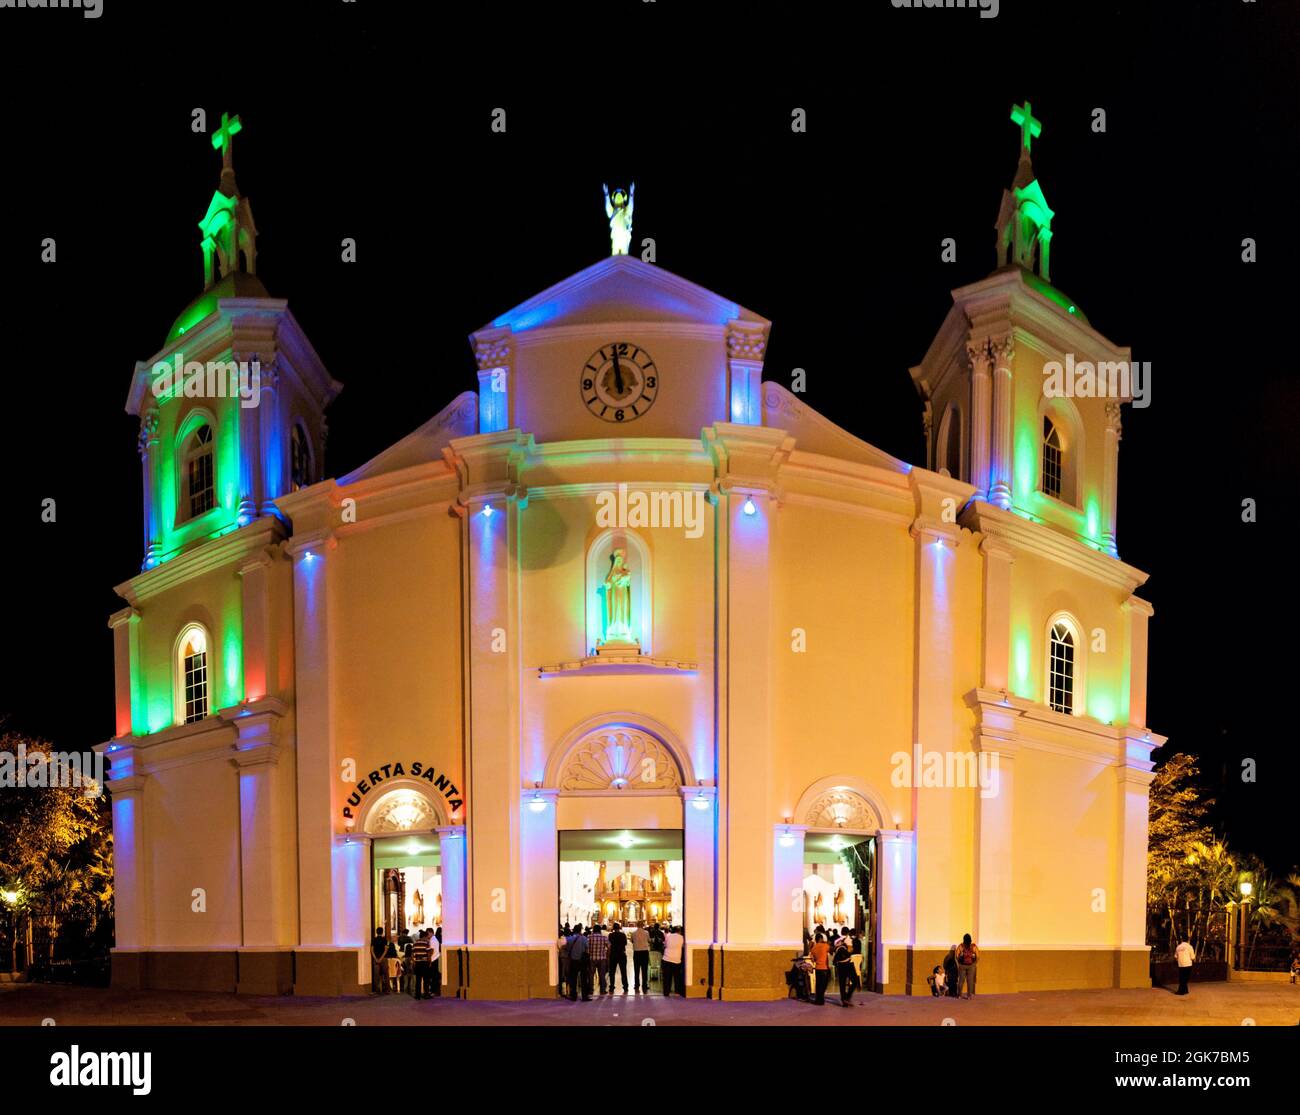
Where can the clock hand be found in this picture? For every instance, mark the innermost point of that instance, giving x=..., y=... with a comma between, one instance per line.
x=618, y=374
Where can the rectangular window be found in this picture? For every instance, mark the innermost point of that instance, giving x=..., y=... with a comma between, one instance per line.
x=1051, y=470
x=1061, y=683
x=196, y=686
x=201, y=494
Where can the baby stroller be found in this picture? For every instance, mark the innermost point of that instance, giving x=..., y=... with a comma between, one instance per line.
x=799, y=979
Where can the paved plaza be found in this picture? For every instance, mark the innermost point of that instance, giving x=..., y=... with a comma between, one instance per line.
x=1272, y=1004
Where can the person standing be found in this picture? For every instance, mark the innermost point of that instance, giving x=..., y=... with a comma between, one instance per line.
x=579, y=972
x=656, y=953
x=420, y=963
x=844, y=970
x=562, y=946
x=968, y=955
x=856, y=937
x=674, y=962
x=378, y=950
x=1186, y=957
x=435, y=962
x=598, y=948
x=617, y=957
x=641, y=958
x=821, y=954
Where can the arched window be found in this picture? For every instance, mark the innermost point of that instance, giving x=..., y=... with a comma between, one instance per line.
x=1053, y=461
x=197, y=465
x=1061, y=667
x=299, y=458
x=192, y=675
x=950, y=455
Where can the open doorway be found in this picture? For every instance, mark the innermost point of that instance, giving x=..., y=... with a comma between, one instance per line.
x=839, y=891
x=631, y=879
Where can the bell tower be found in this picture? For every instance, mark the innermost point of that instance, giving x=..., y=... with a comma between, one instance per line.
x=232, y=407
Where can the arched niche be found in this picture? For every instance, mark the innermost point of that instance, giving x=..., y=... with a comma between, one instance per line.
x=639, y=562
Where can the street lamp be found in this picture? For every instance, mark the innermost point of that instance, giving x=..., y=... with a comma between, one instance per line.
x=10, y=899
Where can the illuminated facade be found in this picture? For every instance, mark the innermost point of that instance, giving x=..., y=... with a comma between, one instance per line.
x=629, y=588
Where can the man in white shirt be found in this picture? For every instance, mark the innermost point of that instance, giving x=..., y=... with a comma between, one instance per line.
x=1186, y=956
x=674, y=970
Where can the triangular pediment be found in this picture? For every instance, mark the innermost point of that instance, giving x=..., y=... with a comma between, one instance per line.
x=622, y=288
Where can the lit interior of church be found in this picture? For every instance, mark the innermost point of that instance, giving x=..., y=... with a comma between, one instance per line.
x=408, y=882
x=629, y=876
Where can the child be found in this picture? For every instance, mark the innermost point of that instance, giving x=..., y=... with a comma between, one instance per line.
x=938, y=982
x=1295, y=967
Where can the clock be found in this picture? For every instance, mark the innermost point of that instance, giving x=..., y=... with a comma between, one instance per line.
x=620, y=382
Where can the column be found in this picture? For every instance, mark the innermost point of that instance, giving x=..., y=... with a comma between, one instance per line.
x=981, y=360
x=698, y=836
x=998, y=557
x=250, y=444
x=996, y=745
x=1138, y=612
x=1000, y=467
x=540, y=870
x=271, y=436
x=132, y=928
x=787, y=887
x=942, y=867
x=148, y=446
x=494, y=354
x=748, y=772
x=1110, y=482
x=265, y=858
x=896, y=890
x=452, y=856
x=493, y=821
x=746, y=345
x=126, y=649
x=315, y=765
x=259, y=666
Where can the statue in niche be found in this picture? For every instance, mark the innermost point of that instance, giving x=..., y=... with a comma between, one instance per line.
x=618, y=601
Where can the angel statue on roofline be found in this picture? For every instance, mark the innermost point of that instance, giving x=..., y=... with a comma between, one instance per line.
x=619, y=211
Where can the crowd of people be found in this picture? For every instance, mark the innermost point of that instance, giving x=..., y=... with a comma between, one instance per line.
x=591, y=957
x=956, y=972
x=826, y=951
x=405, y=964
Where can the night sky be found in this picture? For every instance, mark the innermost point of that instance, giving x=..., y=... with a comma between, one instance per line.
x=373, y=123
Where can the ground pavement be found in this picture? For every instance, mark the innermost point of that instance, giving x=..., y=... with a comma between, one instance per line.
x=1208, y=1004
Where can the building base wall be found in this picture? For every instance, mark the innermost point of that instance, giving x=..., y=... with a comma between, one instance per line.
x=1001, y=971
x=498, y=973
x=749, y=974
x=331, y=973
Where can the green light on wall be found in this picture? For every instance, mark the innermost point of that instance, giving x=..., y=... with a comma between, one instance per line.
x=232, y=651
x=1026, y=461
x=1092, y=512
x=1102, y=707
x=1022, y=683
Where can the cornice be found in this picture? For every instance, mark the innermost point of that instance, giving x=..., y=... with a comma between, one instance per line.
x=214, y=554
x=1024, y=535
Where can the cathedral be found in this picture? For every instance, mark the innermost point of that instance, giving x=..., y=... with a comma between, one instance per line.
x=629, y=634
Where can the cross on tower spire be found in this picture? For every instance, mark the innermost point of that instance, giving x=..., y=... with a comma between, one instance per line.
x=1030, y=128
x=224, y=138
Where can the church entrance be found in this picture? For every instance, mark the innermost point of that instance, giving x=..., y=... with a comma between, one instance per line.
x=407, y=883
x=839, y=890
x=630, y=878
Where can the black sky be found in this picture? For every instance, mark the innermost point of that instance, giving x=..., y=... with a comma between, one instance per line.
x=373, y=123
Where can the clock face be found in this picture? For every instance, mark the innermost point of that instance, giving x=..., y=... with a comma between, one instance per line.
x=620, y=382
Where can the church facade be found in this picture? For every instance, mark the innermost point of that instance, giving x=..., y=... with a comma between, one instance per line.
x=628, y=587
